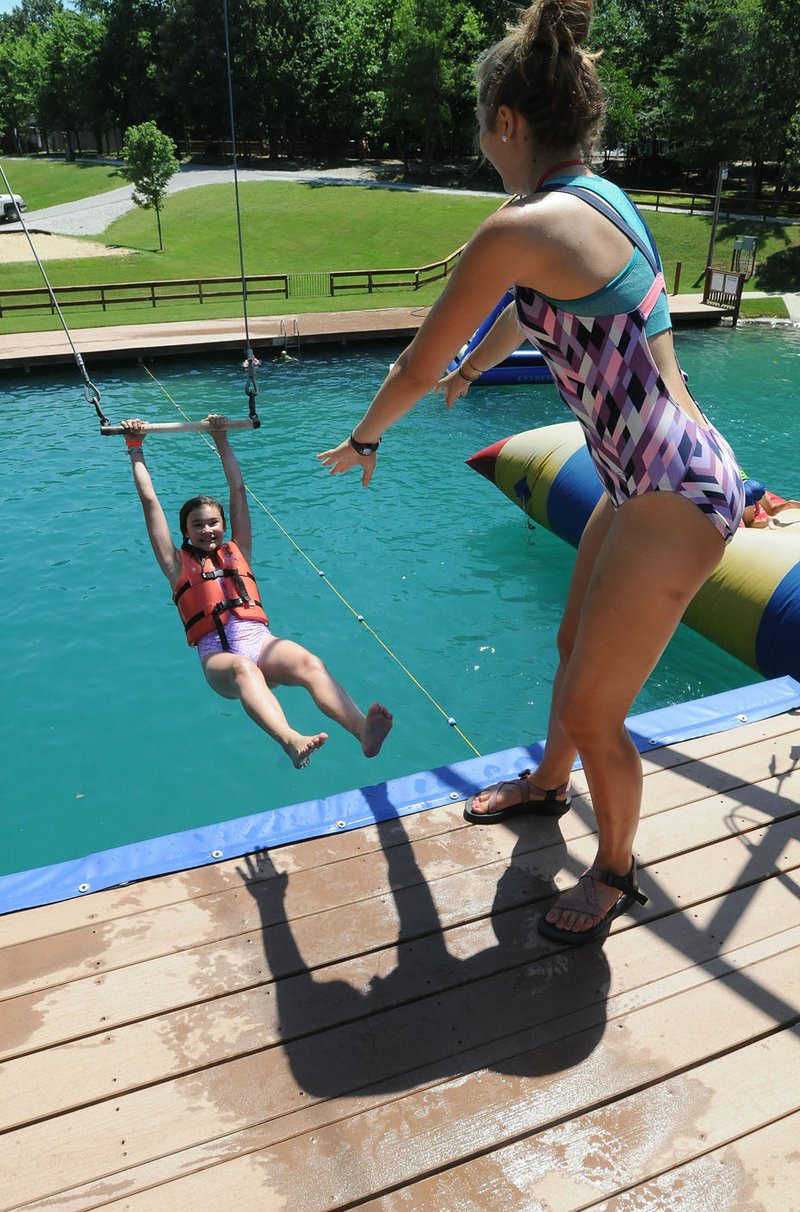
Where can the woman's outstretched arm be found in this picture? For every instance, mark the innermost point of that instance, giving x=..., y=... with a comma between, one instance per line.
x=488, y=266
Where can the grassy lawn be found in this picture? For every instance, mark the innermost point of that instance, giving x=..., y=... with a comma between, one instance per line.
x=296, y=228
x=287, y=228
x=51, y=182
x=760, y=309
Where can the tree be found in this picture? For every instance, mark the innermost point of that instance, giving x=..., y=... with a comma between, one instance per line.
x=126, y=64
x=418, y=78
x=150, y=161
x=20, y=79
x=67, y=97
x=793, y=148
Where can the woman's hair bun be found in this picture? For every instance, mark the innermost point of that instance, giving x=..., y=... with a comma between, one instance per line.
x=560, y=23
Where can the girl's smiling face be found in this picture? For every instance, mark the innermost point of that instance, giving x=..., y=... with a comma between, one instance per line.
x=205, y=528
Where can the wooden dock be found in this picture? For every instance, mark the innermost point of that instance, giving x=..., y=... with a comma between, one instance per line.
x=127, y=343
x=371, y=1020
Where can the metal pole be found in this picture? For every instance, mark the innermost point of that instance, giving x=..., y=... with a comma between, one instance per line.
x=177, y=427
x=722, y=176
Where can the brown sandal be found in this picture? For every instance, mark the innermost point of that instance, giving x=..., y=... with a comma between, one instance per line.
x=555, y=802
x=583, y=899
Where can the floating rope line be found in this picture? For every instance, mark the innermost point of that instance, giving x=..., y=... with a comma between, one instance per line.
x=359, y=617
x=89, y=389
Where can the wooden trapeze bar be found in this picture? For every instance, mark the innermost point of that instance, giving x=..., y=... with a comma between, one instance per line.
x=176, y=427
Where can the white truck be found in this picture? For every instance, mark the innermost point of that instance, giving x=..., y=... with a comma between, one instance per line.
x=11, y=207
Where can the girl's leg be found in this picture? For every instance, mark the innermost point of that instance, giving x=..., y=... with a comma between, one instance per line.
x=559, y=751
x=285, y=663
x=236, y=677
x=657, y=553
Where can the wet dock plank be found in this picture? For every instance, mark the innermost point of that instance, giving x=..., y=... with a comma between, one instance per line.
x=371, y=1020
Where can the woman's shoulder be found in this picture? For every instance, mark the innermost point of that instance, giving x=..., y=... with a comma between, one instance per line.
x=523, y=219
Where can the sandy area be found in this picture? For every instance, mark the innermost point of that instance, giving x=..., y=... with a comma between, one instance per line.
x=14, y=246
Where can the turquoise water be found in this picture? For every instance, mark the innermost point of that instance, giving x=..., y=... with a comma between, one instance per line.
x=110, y=734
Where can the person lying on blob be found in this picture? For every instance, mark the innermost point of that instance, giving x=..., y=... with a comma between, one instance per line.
x=221, y=610
x=761, y=506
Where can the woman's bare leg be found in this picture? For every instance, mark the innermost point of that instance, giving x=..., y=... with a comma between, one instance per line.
x=285, y=663
x=236, y=677
x=560, y=751
x=657, y=553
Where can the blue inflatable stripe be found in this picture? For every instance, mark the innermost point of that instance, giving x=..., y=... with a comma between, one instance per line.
x=365, y=806
x=573, y=495
x=778, y=636
x=521, y=366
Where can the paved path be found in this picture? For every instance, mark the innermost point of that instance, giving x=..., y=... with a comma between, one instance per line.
x=91, y=216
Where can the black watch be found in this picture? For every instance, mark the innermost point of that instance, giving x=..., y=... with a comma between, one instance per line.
x=364, y=448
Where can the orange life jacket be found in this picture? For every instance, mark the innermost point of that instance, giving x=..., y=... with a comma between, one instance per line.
x=213, y=587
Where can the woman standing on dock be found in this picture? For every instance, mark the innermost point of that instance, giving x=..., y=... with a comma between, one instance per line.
x=590, y=295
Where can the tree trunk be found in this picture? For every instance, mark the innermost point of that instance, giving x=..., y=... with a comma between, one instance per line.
x=158, y=221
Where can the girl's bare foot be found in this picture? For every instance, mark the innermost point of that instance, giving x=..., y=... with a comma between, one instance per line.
x=377, y=726
x=300, y=748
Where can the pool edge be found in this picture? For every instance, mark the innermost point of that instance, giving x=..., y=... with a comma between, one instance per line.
x=366, y=805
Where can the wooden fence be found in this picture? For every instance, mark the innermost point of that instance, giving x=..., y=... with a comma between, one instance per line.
x=200, y=290
x=379, y=279
x=108, y=294
x=692, y=203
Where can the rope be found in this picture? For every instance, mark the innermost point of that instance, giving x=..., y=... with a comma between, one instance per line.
x=359, y=617
x=89, y=390
x=250, y=361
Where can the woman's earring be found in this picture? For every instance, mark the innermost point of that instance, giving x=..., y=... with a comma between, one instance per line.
x=504, y=138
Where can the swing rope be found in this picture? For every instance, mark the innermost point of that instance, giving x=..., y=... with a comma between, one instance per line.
x=89, y=390
x=250, y=360
x=359, y=617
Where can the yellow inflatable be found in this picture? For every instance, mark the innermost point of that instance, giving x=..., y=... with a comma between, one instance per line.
x=751, y=604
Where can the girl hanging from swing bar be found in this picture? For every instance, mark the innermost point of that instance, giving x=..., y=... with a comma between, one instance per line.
x=219, y=604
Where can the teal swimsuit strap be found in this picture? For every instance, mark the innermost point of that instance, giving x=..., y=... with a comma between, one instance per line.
x=647, y=247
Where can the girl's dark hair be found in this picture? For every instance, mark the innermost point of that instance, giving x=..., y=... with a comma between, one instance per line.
x=541, y=70
x=195, y=503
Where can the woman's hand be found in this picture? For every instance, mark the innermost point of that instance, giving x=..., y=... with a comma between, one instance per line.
x=453, y=386
x=342, y=457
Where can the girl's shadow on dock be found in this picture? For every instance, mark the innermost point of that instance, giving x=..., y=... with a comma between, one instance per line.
x=486, y=993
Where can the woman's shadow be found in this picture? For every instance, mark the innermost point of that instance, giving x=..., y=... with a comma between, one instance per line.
x=453, y=1001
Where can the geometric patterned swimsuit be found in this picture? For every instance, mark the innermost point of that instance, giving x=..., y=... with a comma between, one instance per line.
x=639, y=437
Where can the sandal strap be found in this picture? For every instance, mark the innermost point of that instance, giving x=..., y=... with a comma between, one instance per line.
x=582, y=897
x=491, y=805
x=549, y=793
x=625, y=883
